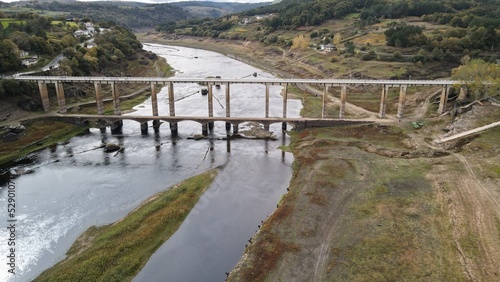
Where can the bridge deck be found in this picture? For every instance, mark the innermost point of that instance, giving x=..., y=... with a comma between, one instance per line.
x=267, y=81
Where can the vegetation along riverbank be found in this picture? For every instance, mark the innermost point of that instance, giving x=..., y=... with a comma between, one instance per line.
x=116, y=252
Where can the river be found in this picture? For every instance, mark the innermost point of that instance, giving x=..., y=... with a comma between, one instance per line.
x=72, y=186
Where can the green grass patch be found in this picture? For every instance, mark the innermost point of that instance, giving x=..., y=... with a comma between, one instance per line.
x=116, y=252
x=126, y=104
x=352, y=16
x=5, y=22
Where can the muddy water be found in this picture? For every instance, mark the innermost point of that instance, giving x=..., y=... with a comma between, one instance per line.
x=72, y=186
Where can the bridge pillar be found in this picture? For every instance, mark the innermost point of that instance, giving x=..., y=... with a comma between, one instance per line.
x=343, y=96
x=60, y=97
x=98, y=98
x=267, y=100
x=204, y=129
x=463, y=93
x=325, y=99
x=383, y=101
x=116, y=127
x=154, y=107
x=228, y=106
x=144, y=128
x=116, y=98
x=444, y=99
x=285, y=101
x=154, y=99
x=44, y=95
x=235, y=128
x=210, y=105
x=156, y=126
x=402, y=101
x=171, y=109
x=266, y=126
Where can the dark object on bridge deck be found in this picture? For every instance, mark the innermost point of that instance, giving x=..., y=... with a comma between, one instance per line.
x=228, y=126
x=144, y=128
x=204, y=91
x=254, y=74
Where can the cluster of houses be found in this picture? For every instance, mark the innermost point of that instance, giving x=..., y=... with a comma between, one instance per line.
x=88, y=32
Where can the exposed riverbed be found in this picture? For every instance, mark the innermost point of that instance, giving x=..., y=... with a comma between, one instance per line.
x=71, y=187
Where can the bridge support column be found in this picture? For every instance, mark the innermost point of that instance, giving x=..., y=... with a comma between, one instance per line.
x=210, y=105
x=266, y=126
x=383, y=101
x=171, y=109
x=444, y=99
x=285, y=101
x=144, y=128
x=60, y=97
x=402, y=101
x=44, y=95
x=116, y=98
x=235, y=128
x=98, y=98
x=204, y=129
x=343, y=96
x=325, y=99
x=228, y=106
x=154, y=107
x=463, y=93
x=116, y=127
x=156, y=126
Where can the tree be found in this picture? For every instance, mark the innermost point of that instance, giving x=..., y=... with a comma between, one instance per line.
x=300, y=42
x=483, y=79
x=397, y=55
x=349, y=46
x=437, y=54
x=337, y=38
x=405, y=36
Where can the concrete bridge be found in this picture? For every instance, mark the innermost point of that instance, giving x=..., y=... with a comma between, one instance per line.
x=58, y=81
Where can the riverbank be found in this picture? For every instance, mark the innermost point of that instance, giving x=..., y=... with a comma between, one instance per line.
x=118, y=251
x=380, y=202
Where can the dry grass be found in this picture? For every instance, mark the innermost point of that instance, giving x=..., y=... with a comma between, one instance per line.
x=39, y=134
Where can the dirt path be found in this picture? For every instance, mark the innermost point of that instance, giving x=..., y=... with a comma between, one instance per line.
x=474, y=206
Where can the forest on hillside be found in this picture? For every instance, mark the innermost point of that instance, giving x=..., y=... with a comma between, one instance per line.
x=135, y=16
x=473, y=24
x=115, y=48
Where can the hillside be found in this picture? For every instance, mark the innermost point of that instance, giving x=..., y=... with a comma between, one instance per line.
x=390, y=39
x=204, y=9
